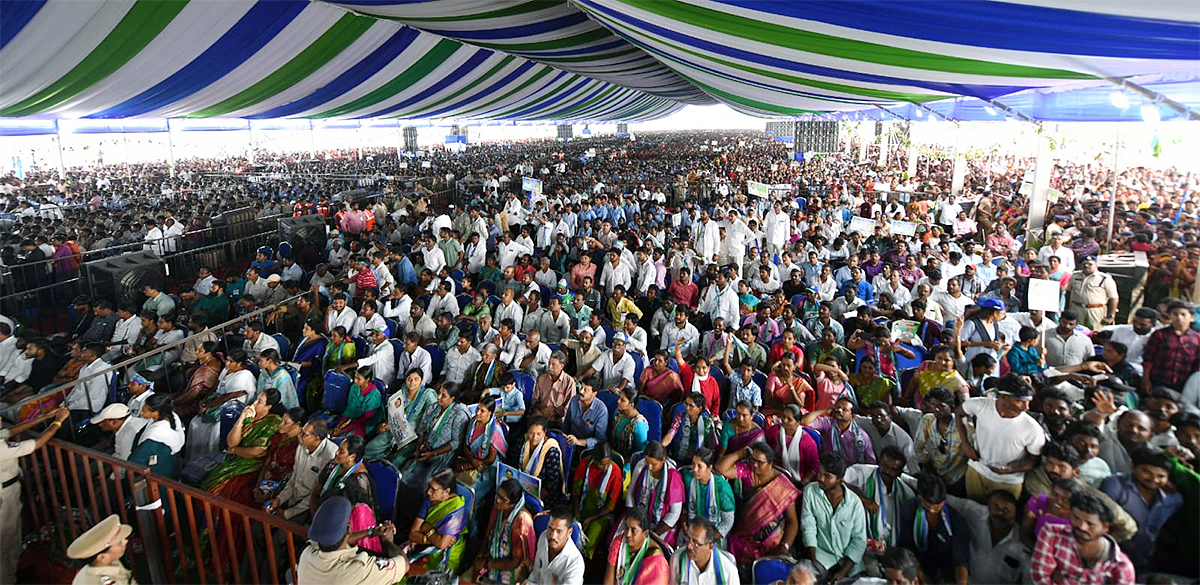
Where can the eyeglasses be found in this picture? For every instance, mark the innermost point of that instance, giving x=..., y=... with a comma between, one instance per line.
x=757, y=461
x=698, y=544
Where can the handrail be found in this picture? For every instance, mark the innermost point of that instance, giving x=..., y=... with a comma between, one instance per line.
x=161, y=349
x=138, y=245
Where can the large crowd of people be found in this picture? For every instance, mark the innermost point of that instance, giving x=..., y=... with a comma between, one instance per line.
x=860, y=373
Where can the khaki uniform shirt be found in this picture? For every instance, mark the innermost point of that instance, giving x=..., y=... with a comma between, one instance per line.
x=10, y=452
x=1096, y=289
x=114, y=574
x=349, y=565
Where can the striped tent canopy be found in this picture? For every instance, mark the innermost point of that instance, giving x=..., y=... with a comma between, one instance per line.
x=566, y=59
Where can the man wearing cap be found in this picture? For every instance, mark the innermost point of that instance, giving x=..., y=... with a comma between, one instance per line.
x=1093, y=294
x=1008, y=442
x=331, y=558
x=102, y=548
x=10, y=486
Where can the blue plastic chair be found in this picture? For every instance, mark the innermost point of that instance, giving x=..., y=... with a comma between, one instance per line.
x=533, y=504
x=676, y=410
x=639, y=366
x=284, y=344
x=464, y=300
x=760, y=378
x=673, y=365
x=608, y=333
x=285, y=249
x=397, y=348
x=393, y=327
x=468, y=496
x=360, y=346
x=387, y=486
x=653, y=411
x=609, y=398
x=568, y=450
x=337, y=391
x=816, y=437
x=526, y=383
x=771, y=569
x=457, y=275
x=904, y=363
x=489, y=287
x=437, y=359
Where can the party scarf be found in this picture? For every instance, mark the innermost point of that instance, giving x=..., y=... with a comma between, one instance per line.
x=710, y=509
x=627, y=575
x=722, y=579
x=879, y=523
x=587, y=484
x=859, y=445
x=921, y=528
x=791, y=449
x=654, y=504
x=499, y=545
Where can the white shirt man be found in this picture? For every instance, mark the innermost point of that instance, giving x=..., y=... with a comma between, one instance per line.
x=508, y=252
x=779, y=229
x=399, y=309
x=382, y=359
x=343, y=318
x=203, y=286
x=263, y=343
x=720, y=302
x=294, y=498
x=154, y=241
x=90, y=395
x=417, y=358
x=612, y=368
x=459, y=362
x=443, y=301
x=540, y=360
x=708, y=238
x=565, y=567
x=1134, y=342
x=1066, y=256
x=8, y=352
x=364, y=326
x=510, y=310
x=614, y=274
x=434, y=258
x=1067, y=352
x=671, y=335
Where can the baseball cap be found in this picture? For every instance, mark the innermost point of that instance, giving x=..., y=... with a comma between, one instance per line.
x=990, y=304
x=111, y=412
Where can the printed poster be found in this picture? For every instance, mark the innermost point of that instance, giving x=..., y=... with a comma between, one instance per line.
x=531, y=483
x=862, y=225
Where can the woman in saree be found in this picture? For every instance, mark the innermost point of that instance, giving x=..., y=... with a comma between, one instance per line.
x=486, y=442
x=440, y=437
x=281, y=456
x=202, y=382
x=438, y=533
x=660, y=382
x=634, y=558
x=364, y=406
x=339, y=350
x=769, y=523
x=869, y=386
x=656, y=487
x=595, y=491
x=785, y=386
x=795, y=449
x=310, y=354
x=247, y=443
x=708, y=494
x=630, y=429
x=509, y=543
x=938, y=372
x=691, y=430
x=347, y=476
x=541, y=456
x=740, y=432
x=406, y=407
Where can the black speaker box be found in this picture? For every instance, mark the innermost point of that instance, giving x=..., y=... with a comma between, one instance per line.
x=121, y=278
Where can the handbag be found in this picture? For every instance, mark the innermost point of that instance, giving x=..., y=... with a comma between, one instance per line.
x=432, y=578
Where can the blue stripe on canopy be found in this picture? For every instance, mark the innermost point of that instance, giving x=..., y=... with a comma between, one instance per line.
x=14, y=16
x=1002, y=25
x=527, y=30
x=353, y=77
x=470, y=65
x=786, y=65
x=255, y=29
x=482, y=94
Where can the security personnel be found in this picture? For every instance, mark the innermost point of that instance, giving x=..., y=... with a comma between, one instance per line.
x=10, y=487
x=331, y=559
x=102, y=548
x=1092, y=295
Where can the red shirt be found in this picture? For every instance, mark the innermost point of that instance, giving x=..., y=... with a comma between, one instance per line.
x=709, y=388
x=1170, y=358
x=1057, y=552
x=687, y=295
x=776, y=354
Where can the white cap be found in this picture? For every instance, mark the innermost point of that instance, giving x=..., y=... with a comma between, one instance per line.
x=111, y=412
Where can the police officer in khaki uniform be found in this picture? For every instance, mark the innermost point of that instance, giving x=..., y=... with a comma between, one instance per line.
x=102, y=548
x=331, y=559
x=1093, y=295
x=10, y=487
